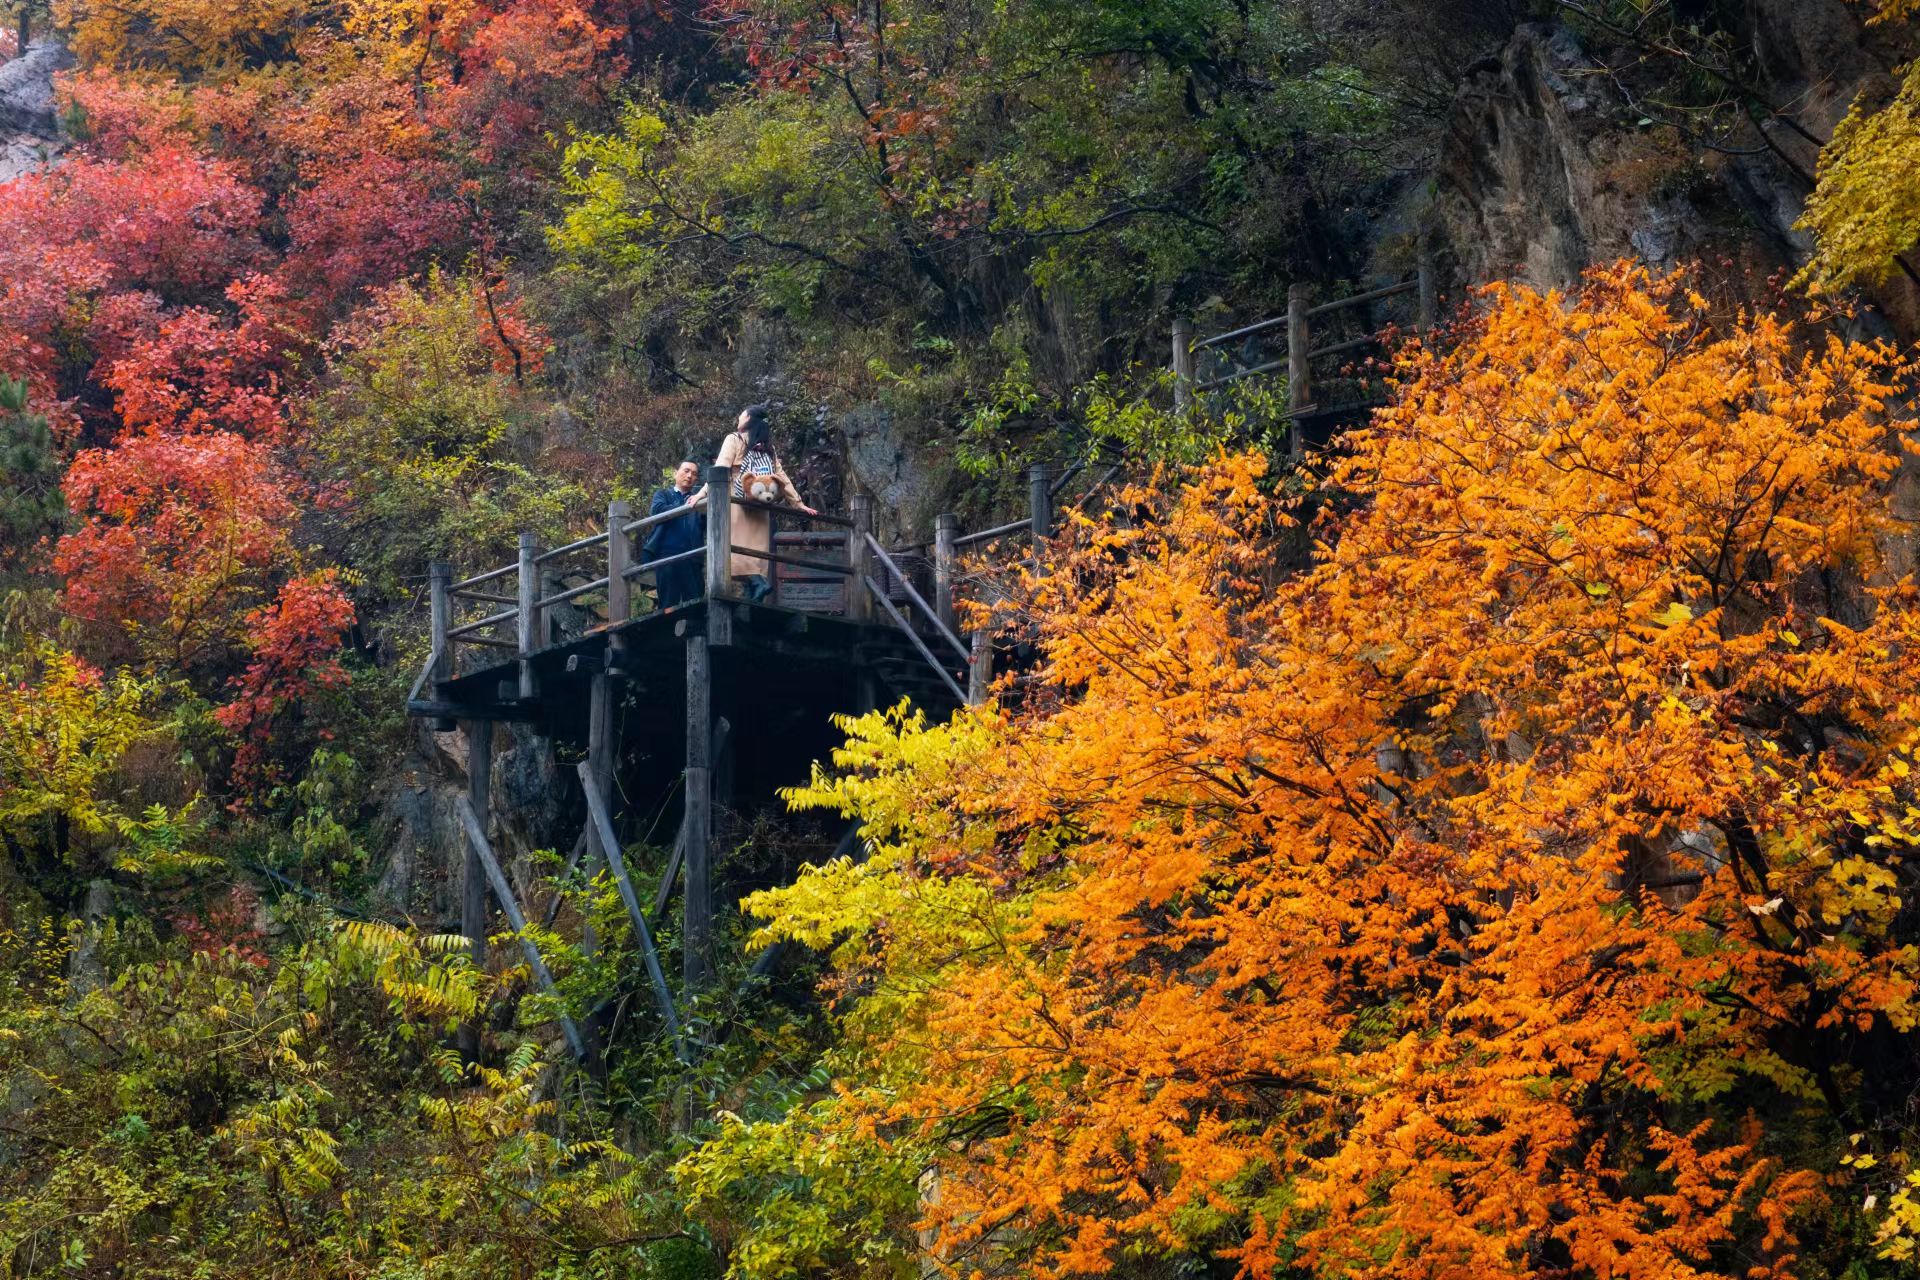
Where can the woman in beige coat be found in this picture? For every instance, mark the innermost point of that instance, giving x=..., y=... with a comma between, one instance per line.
x=748, y=451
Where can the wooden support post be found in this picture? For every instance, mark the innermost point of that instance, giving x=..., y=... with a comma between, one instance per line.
x=671, y=877
x=473, y=881
x=528, y=628
x=1429, y=297
x=859, y=558
x=980, y=668
x=477, y=843
x=1182, y=364
x=1040, y=500
x=600, y=824
x=619, y=560
x=440, y=591
x=696, y=897
x=440, y=578
x=1299, y=374
x=946, y=527
x=719, y=533
x=601, y=744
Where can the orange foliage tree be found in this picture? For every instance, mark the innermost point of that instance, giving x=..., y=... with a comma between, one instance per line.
x=1520, y=890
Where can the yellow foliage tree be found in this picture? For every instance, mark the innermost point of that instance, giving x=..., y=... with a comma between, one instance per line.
x=207, y=37
x=64, y=727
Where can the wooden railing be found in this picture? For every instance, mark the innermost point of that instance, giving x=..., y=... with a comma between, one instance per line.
x=509, y=607
x=1299, y=324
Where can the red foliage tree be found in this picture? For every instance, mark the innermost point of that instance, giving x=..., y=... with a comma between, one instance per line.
x=295, y=643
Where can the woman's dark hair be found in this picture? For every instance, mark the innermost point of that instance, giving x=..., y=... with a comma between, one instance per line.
x=759, y=430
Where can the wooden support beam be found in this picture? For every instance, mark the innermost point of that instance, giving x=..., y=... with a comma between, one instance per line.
x=677, y=858
x=602, y=742
x=600, y=823
x=696, y=901
x=1299, y=372
x=473, y=883
x=477, y=842
x=442, y=711
x=946, y=527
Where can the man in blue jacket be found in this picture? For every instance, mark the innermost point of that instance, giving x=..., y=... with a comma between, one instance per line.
x=680, y=582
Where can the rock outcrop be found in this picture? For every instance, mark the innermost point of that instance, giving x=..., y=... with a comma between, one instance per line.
x=29, y=112
x=1554, y=158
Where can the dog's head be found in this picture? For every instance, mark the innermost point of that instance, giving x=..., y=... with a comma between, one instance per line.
x=761, y=488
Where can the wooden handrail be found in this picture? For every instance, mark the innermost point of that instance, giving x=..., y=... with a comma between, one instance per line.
x=665, y=517
x=591, y=540
x=753, y=504
x=1260, y=326
x=1338, y=348
x=966, y=654
x=574, y=593
x=479, y=578
x=491, y=620
x=822, y=565
x=678, y=557
x=900, y=620
x=1000, y=531
x=1371, y=295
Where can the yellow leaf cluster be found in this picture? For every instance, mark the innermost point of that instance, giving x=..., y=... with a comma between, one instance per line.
x=1865, y=210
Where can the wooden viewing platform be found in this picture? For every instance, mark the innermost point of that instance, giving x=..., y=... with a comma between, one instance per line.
x=719, y=695
x=736, y=696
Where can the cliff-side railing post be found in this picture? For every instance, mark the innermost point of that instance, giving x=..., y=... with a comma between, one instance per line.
x=1299, y=375
x=859, y=558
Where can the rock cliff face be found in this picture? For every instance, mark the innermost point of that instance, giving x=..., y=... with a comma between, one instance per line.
x=1554, y=158
x=29, y=118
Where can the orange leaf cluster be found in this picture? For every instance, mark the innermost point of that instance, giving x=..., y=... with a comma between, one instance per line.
x=1473, y=903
